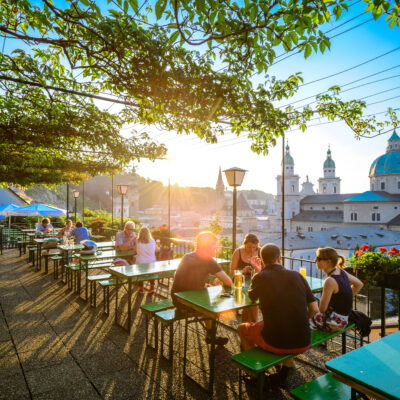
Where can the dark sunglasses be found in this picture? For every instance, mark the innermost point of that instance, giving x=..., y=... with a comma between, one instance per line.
x=320, y=259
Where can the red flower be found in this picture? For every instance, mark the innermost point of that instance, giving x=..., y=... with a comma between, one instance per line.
x=383, y=249
x=164, y=225
x=394, y=249
x=392, y=253
x=358, y=253
x=364, y=247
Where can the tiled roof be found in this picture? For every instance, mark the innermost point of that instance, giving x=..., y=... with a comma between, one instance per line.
x=326, y=198
x=374, y=196
x=394, y=221
x=321, y=216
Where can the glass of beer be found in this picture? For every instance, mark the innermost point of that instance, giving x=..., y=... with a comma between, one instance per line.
x=238, y=279
x=303, y=272
x=238, y=295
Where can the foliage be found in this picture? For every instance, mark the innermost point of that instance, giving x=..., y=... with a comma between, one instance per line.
x=161, y=232
x=373, y=263
x=94, y=219
x=225, y=250
x=70, y=55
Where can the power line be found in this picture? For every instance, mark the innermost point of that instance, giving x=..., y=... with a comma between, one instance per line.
x=351, y=68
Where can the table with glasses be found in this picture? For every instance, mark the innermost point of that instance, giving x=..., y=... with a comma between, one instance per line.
x=212, y=305
x=373, y=369
x=39, y=243
x=144, y=272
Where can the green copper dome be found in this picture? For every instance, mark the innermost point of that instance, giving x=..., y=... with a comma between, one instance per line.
x=388, y=163
x=329, y=163
x=288, y=158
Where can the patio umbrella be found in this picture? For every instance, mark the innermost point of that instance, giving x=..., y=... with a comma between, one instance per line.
x=8, y=210
x=39, y=210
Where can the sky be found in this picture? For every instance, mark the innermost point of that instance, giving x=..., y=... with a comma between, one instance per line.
x=191, y=162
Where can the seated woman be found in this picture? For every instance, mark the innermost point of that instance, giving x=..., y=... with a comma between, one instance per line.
x=242, y=260
x=45, y=226
x=66, y=231
x=146, y=250
x=339, y=288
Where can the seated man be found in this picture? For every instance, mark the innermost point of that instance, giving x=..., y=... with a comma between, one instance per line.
x=193, y=272
x=45, y=226
x=126, y=240
x=286, y=303
x=80, y=232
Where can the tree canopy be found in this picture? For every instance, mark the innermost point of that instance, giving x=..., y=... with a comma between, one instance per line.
x=157, y=64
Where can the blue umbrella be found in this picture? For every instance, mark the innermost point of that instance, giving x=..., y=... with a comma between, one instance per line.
x=8, y=209
x=39, y=210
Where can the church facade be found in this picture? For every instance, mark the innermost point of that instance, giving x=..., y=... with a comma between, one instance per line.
x=307, y=211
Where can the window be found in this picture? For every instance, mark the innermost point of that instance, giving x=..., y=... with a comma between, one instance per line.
x=334, y=189
x=293, y=213
x=353, y=216
x=376, y=217
x=309, y=229
x=324, y=189
x=292, y=188
x=382, y=185
x=323, y=208
x=323, y=229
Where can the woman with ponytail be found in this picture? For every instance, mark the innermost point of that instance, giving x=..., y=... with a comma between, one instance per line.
x=339, y=288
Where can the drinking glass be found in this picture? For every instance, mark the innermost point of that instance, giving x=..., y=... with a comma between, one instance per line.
x=238, y=279
x=303, y=272
x=112, y=240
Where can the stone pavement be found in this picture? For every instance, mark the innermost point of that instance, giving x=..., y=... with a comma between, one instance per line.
x=53, y=345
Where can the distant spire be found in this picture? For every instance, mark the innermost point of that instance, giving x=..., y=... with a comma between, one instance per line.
x=220, y=182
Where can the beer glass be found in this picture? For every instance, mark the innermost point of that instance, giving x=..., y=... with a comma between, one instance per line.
x=238, y=279
x=303, y=272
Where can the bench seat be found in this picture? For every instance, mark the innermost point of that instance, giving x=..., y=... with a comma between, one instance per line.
x=323, y=388
x=106, y=284
x=256, y=360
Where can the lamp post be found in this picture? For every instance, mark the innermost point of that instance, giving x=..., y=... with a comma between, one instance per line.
x=122, y=189
x=75, y=193
x=67, y=200
x=234, y=176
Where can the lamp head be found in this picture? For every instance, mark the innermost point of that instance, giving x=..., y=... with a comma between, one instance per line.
x=122, y=189
x=75, y=193
x=235, y=176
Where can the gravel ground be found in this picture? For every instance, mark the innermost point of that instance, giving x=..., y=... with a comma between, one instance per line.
x=53, y=345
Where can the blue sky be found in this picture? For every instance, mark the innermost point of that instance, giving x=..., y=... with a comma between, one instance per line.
x=192, y=163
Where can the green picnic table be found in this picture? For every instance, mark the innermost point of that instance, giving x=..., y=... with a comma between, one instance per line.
x=86, y=259
x=39, y=243
x=373, y=369
x=139, y=273
x=212, y=305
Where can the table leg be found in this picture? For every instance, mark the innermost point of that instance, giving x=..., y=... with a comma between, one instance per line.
x=129, y=304
x=185, y=346
x=213, y=334
x=116, y=299
x=40, y=257
x=383, y=312
x=86, y=279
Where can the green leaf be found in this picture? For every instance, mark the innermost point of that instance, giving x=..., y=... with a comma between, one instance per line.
x=308, y=51
x=160, y=7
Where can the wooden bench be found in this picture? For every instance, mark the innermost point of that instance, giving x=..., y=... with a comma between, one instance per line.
x=167, y=318
x=48, y=254
x=323, y=388
x=56, y=260
x=22, y=246
x=106, y=284
x=91, y=280
x=256, y=361
x=149, y=310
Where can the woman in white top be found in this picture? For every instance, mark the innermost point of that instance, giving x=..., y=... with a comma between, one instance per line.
x=146, y=250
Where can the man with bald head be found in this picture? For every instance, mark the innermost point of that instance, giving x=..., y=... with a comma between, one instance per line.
x=126, y=240
x=193, y=272
x=286, y=303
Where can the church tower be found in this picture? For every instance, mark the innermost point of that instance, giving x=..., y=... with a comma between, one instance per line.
x=219, y=192
x=292, y=193
x=133, y=194
x=329, y=184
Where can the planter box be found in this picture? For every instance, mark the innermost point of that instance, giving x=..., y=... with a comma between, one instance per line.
x=386, y=280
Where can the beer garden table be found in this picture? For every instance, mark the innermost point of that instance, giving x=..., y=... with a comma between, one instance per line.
x=212, y=305
x=85, y=259
x=373, y=369
x=39, y=243
x=144, y=272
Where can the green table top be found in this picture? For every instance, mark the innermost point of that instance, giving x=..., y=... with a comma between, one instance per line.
x=106, y=254
x=135, y=270
x=315, y=284
x=375, y=366
x=28, y=230
x=66, y=247
x=46, y=240
x=210, y=302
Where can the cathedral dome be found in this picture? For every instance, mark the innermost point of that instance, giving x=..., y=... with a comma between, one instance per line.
x=388, y=163
x=329, y=163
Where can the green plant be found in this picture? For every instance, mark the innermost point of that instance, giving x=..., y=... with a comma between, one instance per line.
x=372, y=263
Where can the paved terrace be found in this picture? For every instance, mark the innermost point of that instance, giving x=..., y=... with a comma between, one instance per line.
x=55, y=346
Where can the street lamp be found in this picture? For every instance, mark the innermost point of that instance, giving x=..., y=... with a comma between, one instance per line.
x=75, y=193
x=122, y=189
x=234, y=176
